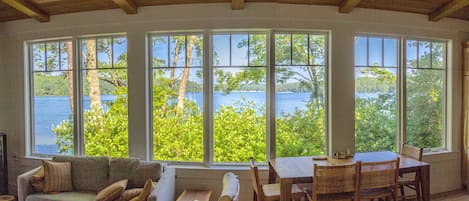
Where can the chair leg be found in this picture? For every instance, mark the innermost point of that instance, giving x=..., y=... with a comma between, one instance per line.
x=417, y=191
x=402, y=192
x=254, y=196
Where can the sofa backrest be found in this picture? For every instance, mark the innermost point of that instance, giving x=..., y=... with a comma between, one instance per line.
x=88, y=173
x=145, y=170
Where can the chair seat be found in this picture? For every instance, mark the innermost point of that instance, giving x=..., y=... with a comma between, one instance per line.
x=375, y=193
x=272, y=191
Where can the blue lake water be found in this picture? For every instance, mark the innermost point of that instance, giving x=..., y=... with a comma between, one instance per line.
x=50, y=111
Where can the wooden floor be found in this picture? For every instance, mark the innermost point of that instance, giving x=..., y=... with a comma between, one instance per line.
x=457, y=196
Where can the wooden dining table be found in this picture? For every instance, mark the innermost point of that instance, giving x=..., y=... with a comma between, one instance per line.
x=291, y=170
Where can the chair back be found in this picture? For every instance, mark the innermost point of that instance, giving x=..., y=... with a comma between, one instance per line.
x=412, y=152
x=382, y=174
x=256, y=182
x=230, y=190
x=336, y=179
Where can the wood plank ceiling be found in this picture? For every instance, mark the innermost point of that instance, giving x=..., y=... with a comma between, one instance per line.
x=41, y=10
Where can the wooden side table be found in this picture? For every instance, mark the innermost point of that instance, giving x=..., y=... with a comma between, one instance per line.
x=195, y=195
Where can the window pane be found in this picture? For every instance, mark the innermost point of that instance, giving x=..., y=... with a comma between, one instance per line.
x=424, y=53
x=375, y=52
x=283, y=49
x=105, y=56
x=52, y=105
x=300, y=49
x=375, y=99
x=177, y=48
x=160, y=51
x=438, y=55
x=316, y=49
x=390, y=52
x=300, y=104
x=65, y=50
x=104, y=102
x=361, y=51
x=221, y=50
x=120, y=52
x=411, y=54
x=257, y=49
x=239, y=50
x=178, y=102
x=239, y=98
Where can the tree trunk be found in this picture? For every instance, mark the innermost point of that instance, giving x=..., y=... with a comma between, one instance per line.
x=69, y=47
x=175, y=60
x=92, y=76
x=185, y=75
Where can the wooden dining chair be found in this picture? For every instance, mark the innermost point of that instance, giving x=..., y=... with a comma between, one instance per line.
x=379, y=180
x=336, y=183
x=411, y=182
x=269, y=192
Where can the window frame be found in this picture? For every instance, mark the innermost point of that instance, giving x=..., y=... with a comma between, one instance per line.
x=78, y=112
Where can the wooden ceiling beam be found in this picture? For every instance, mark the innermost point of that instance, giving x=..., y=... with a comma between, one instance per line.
x=28, y=9
x=447, y=9
x=237, y=4
x=346, y=6
x=128, y=6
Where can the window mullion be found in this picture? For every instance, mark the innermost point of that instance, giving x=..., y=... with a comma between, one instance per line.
x=403, y=92
x=208, y=98
x=78, y=134
x=271, y=126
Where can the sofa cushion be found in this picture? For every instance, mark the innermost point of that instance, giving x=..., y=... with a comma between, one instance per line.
x=68, y=196
x=144, y=171
x=112, y=192
x=88, y=173
x=131, y=193
x=121, y=168
x=57, y=176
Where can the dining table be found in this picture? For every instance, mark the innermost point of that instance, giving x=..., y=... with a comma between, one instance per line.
x=292, y=170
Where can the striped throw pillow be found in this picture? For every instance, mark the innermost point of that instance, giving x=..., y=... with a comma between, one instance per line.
x=57, y=176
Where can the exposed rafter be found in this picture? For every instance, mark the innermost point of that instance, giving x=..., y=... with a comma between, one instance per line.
x=346, y=6
x=28, y=9
x=128, y=6
x=447, y=9
x=237, y=4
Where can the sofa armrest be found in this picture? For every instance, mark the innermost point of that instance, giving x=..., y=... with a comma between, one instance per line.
x=166, y=187
x=24, y=184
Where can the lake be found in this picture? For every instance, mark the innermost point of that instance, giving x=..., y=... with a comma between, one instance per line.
x=50, y=111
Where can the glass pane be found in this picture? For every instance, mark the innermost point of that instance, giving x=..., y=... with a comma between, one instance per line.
x=424, y=54
x=300, y=111
x=375, y=52
x=300, y=49
x=52, y=49
x=195, y=50
x=411, y=54
x=39, y=58
x=104, y=105
x=221, y=50
x=425, y=108
x=66, y=49
x=104, y=52
x=177, y=46
x=160, y=51
x=390, y=52
x=53, y=119
x=361, y=51
x=438, y=55
x=283, y=49
x=239, y=50
x=375, y=109
x=239, y=119
x=257, y=49
x=317, y=50
x=120, y=52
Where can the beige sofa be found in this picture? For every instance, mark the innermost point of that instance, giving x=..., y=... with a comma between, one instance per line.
x=89, y=174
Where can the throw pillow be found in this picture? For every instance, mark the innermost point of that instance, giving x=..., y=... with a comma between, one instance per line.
x=113, y=191
x=131, y=193
x=57, y=176
x=37, y=181
x=145, y=192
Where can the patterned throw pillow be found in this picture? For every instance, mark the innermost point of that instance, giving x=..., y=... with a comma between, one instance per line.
x=147, y=189
x=38, y=180
x=113, y=191
x=57, y=176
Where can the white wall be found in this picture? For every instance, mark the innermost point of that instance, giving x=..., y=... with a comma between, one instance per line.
x=445, y=167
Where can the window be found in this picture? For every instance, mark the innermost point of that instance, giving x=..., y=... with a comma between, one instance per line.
x=300, y=93
x=214, y=108
x=60, y=101
x=52, y=97
x=177, y=88
x=422, y=94
x=376, y=70
x=425, y=93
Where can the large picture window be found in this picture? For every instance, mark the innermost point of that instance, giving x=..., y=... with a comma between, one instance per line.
x=79, y=110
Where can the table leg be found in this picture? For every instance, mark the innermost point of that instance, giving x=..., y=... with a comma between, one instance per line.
x=272, y=174
x=425, y=182
x=285, y=189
